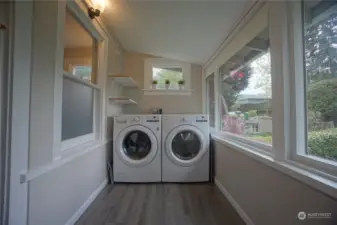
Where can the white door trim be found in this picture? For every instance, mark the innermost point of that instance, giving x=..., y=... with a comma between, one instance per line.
x=21, y=24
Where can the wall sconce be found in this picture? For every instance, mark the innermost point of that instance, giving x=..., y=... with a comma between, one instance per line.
x=97, y=7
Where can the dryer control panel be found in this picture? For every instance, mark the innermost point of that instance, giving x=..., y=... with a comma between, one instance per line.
x=153, y=119
x=201, y=119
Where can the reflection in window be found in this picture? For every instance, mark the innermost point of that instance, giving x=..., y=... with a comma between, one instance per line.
x=161, y=74
x=320, y=37
x=80, y=52
x=245, y=82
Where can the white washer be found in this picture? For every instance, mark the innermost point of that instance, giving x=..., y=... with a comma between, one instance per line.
x=185, y=146
x=137, y=148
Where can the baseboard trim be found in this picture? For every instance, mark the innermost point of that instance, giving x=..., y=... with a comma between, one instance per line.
x=87, y=203
x=236, y=206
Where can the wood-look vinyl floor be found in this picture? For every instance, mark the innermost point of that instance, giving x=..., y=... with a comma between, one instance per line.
x=160, y=204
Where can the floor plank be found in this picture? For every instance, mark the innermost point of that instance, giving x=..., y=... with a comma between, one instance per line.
x=160, y=204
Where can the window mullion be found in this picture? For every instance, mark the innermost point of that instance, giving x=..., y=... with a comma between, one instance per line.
x=216, y=99
x=280, y=88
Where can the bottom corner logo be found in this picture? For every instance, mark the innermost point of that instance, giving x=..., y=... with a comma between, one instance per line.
x=302, y=215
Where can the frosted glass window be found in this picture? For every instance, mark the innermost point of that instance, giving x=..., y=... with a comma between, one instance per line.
x=77, y=109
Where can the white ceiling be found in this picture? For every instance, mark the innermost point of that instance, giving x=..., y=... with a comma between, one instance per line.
x=189, y=30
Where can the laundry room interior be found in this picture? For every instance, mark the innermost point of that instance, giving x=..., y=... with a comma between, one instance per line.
x=168, y=112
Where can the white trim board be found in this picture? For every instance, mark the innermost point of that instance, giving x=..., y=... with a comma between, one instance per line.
x=35, y=173
x=87, y=203
x=236, y=206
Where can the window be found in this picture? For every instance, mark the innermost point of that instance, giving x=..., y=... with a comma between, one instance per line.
x=210, y=99
x=163, y=76
x=245, y=97
x=79, y=94
x=80, y=50
x=320, y=62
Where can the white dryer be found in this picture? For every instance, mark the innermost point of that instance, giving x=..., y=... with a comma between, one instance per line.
x=137, y=148
x=185, y=146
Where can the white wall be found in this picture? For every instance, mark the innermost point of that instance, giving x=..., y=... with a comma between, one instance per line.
x=58, y=187
x=266, y=195
x=134, y=66
x=115, y=66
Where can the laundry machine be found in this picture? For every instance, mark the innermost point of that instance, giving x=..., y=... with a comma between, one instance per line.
x=185, y=148
x=137, y=148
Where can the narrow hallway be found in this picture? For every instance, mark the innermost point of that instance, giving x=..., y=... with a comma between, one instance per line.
x=160, y=204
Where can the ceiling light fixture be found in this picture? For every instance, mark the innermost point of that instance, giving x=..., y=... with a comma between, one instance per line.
x=97, y=7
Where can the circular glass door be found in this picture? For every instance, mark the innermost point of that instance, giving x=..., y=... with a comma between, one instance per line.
x=137, y=145
x=186, y=145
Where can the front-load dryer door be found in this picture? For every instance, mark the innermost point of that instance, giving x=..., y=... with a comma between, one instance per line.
x=136, y=145
x=186, y=145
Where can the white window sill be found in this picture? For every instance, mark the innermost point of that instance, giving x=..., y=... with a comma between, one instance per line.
x=167, y=92
x=74, y=142
x=320, y=183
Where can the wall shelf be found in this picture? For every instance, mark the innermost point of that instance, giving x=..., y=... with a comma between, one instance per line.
x=167, y=92
x=122, y=101
x=124, y=80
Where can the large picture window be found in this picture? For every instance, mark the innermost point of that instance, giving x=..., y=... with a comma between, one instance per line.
x=245, y=92
x=320, y=57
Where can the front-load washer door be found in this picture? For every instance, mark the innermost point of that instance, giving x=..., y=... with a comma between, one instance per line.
x=186, y=145
x=136, y=145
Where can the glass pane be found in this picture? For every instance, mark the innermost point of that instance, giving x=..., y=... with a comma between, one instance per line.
x=186, y=145
x=210, y=99
x=246, y=92
x=80, y=50
x=137, y=145
x=320, y=38
x=77, y=109
x=161, y=74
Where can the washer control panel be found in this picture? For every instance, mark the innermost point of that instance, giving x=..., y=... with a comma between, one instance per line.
x=153, y=119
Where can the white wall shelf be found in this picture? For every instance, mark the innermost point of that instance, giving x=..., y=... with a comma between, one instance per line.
x=122, y=101
x=124, y=80
x=167, y=92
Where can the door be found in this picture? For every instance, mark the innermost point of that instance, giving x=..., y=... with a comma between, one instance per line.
x=4, y=84
x=136, y=146
x=186, y=145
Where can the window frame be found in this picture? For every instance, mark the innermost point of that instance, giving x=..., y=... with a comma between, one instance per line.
x=75, y=145
x=298, y=155
x=257, y=145
x=212, y=128
x=287, y=134
x=149, y=63
x=73, y=142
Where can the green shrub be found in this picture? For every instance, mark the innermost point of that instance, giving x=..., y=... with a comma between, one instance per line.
x=322, y=98
x=323, y=144
x=252, y=113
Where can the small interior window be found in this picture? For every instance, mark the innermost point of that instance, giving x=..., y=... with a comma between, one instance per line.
x=172, y=74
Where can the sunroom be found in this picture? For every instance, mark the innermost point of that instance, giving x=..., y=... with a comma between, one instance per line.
x=184, y=112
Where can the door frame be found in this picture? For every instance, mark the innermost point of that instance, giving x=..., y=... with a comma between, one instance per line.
x=4, y=114
x=20, y=61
